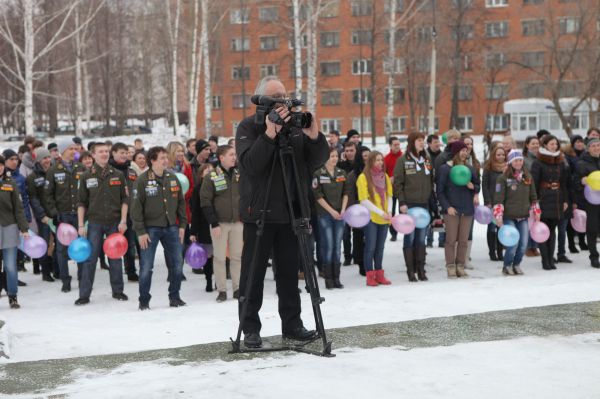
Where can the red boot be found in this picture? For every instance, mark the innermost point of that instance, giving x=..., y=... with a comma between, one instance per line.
x=372, y=279
x=380, y=278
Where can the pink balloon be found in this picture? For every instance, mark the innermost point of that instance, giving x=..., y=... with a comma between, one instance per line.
x=66, y=233
x=357, y=216
x=539, y=232
x=403, y=224
x=578, y=221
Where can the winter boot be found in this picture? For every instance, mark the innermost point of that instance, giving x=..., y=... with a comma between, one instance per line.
x=361, y=269
x=582, y=244
x=546, y=265
x=595, y=263
x=517, y=270
x=12, y=302
x=491, y=241
x=336, y=275
x=328, y=275
x=380, y=277
x=420, y=253
x=460, y=270
x=208, y=273
x=36, y=266
x=66, y=287
x=508, y=271
x=468, y=264
x=451, y=271
x=371, y=280
x=409, y=259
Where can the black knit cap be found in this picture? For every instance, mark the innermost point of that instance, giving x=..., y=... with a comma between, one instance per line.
x=200, y=145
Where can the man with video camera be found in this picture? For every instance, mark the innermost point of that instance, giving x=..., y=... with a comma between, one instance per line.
x=258, y=146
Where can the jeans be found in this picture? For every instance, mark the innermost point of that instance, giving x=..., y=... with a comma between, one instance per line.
x=95, y=234
x=331, y=232
x=514, y=255
x=375, y=235
x=9, y=261
x=61, y=250
x=416, y=238
x=169, y=238
x=562, y=236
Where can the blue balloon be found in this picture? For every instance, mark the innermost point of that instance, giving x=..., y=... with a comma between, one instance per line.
x=508, y=236
x=421, y=217
x=80, y=249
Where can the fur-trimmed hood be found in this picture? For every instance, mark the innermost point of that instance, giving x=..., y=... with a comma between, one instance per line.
x=549, y=158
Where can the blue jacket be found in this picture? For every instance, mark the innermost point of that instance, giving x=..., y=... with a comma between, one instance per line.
x=458, y=197
x=22, y=184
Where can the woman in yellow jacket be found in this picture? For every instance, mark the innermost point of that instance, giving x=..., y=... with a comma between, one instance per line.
x=375, y=193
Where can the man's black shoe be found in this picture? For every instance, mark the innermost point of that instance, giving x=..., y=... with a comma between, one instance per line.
x=595, y=263
x=120, y=297
x=300, y=334
x=133, y=277
x=175, y=303
x=563, y=259
x=347, y=262
x=82, y=301
x=48, y=278
x=236, y=294
x=252, y=340
x=22, y=283
x=144, y=306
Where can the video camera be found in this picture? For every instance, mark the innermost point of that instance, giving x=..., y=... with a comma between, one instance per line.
x=265, y=107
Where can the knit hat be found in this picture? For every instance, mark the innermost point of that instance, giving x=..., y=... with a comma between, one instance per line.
x=52, y=146
x=457, y=146
x=8, y=153
x=575, y=139
x=514, y=155
x=591, y=141
x=200, y=145
x=41, y=153
x=63, y=144
x=77, y=140
x=351, y=133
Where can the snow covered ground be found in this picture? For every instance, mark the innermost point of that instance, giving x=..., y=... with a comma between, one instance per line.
x=551, y=367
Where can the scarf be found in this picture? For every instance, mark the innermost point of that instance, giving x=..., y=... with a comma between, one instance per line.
x=378, y=176
x=518, y=175
x=419, y=162
x=544, y=151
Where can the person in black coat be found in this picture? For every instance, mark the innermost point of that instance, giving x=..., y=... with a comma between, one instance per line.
x=257, y=147
x=573, y=154
x=550, y=175
x=589, y=162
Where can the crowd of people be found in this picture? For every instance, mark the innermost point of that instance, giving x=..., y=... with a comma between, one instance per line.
x=105, y=188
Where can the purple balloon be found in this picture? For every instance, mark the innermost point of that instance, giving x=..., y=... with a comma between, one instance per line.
x=357, y=216
x=578, y=221
x=539, y=232
x=76, y=156
x=592, y=196
x=195, y=256
x=35, y=247
x=483, y=214
x=66, y=233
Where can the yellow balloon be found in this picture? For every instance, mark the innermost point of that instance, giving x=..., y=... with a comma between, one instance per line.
x=593, y=180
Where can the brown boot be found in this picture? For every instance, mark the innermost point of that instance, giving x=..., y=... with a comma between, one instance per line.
x=460, y=270
x=451, y=271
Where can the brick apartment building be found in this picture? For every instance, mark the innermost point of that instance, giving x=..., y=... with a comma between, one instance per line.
x=488, y=51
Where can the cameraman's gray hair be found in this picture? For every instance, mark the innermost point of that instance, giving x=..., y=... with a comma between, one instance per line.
x=262, y=85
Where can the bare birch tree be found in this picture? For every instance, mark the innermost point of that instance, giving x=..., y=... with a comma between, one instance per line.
x=173, y=29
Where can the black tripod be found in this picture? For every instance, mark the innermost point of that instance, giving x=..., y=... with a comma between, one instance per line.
x=302, y=230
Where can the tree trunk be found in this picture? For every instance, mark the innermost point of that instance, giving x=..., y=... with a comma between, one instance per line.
x=392, y=63
x=28, y=61
x=174, y=37
x=193, y=74
x=297, y=47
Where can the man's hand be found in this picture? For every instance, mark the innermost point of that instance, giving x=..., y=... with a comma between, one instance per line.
x=273, y=128
x=144, y=240
x=46, y=219
x=313, y=131
x=470, y=186
x=122, y=227
x=336, y=215
x=216, y=232
x=193, y=238
x=181, y=235
x=81, y=231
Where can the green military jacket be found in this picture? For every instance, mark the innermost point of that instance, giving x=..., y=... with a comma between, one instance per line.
x=102, y=193
x=331, y=188
x=158, y=201
x=62, y=188
x=516, y=196
x=36, y=189
x=220, y=197
x=11, y=206
x=411, y=185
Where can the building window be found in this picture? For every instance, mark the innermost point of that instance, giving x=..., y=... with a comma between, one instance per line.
x=533, y=59
x=569, y=25
x=496, y=3
x=424, y=124
x=268, y=14
x=362, y=37
x=495, y=60
x=397, y=37
x=366, y=124
x=361, y=8
x=239, y=16
x=330, y=39
x=237, y=44
x=424, y=33
x=532, y=2
x=239, y=73
x=532, y=90
x=496, y=92
x=463, y=32
x=398, y=124
x=496, y=123
x=268, y=70
x=569, y=89
x=361, y=67
x=465, y=93
x=269, y=43
x=293, y=69
x=216, y=102
x=399, y=95
x=238, y=101
x=423, y=64
x=330, y=9
x=361, y=96
x=496, y=29
x=387, y=6
x=396, y=67
x=331, y=97
x=533, y=27
x=464, y=123
x=328, y=125
x=330, y=68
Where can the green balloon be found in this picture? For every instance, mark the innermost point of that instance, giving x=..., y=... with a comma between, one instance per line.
x=460, y=175
x=444, y=139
